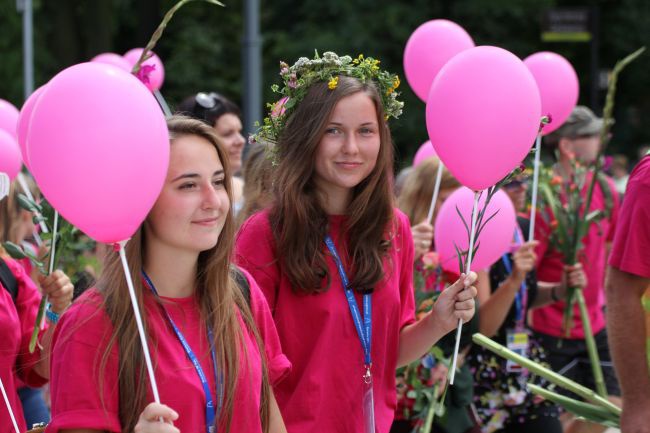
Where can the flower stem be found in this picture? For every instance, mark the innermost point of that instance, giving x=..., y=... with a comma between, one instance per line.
x=591, y=345
x=546, y=373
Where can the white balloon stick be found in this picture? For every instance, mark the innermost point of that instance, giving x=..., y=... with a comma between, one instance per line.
x=11, y=412
x=436, y=190
x=533, y=203
x=468, y=267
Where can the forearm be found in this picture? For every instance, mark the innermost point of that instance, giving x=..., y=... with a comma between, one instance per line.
x=416, y=339
x=627, y=337
x=276, y=424
x=545, y=291
x=494, y=310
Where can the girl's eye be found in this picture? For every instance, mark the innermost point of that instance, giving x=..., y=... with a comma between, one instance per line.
x=188, y=185
x=332, y=131
x=218, y=183
x=366, y=131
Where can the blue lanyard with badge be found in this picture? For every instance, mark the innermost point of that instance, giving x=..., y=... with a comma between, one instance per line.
x=517, y=339
x=364, y=331
x=210, y=412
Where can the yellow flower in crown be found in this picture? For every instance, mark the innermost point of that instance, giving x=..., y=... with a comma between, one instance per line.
x=396, y=83
x=333, y=83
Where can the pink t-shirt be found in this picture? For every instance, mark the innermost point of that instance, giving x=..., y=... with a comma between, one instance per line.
x=82, y=335
x=550, y=265
x=323, y=392
x=16, y=325
x=630, y=248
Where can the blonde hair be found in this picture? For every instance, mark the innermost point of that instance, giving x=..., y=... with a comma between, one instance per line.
x=10, y=211
x=415, y=197
x=257, y=171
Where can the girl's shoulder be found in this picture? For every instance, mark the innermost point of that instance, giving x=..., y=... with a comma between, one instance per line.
x=86, y=319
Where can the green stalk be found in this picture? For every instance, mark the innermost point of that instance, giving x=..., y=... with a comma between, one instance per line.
x=546, y=373
x=584, y=410
x=428, y=422
x=594, y=359
x=161, y=28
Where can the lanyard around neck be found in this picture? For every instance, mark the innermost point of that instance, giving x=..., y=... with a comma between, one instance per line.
x=364, y=331
x=210, y=412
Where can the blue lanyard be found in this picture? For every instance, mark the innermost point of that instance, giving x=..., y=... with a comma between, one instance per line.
x=363, y=331
x=521, y=299
x=210, y=413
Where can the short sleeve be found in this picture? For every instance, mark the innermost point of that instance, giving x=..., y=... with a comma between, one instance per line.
x=406, y=251
x=254, y=251
x=630, y=248
x=27, y=303
x=84, y=392
x=278, y=364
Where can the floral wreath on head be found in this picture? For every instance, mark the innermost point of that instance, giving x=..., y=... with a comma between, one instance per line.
x=298, y=78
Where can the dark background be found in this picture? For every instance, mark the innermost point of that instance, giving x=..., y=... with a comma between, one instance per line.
x=201, y=48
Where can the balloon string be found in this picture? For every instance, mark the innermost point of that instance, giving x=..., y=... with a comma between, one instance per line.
x=533, y=203
x=436, y=190
x=138, y=320
x=11, y=412
x=468, y=266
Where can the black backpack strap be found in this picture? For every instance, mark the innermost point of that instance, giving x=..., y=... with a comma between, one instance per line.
x=8, y=280
x=242, y=283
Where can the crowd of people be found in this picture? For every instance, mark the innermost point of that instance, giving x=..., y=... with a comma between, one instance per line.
x=277, y=289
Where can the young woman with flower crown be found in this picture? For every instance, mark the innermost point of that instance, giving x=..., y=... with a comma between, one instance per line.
x=333, y=256
x=214, y=346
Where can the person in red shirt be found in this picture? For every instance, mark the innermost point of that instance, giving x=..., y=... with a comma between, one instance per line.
x=628, y=277
x=332, y=255
x=214, y=347
x=579, y=138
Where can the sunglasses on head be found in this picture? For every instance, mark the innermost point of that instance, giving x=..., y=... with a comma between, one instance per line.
x=208, y=101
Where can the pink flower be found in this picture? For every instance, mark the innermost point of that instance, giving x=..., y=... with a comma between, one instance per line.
x=144, y=72
x=431, y=260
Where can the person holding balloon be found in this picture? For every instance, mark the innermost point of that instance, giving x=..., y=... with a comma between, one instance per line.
x=577, y=141
x=501, y=397
x=332, y=255
x=216, y=350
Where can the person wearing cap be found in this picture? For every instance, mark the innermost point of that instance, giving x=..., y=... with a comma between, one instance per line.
x=628, y=277
x=577, y=141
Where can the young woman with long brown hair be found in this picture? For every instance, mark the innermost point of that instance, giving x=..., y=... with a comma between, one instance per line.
x=332, y=255
x=214, y=346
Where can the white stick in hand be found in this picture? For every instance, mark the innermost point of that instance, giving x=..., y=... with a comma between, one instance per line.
x=436, y=190
x=533, y=202
x=468, y=267
x=138, y=320
x=11, y=412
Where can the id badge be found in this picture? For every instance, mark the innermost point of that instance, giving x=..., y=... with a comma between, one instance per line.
x=368, y=404
x=517, y=340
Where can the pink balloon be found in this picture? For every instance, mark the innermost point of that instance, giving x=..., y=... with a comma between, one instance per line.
x=23, y=123
x=424, y=152
x=558, y=86
x=156, y=76
x=99, y=149
x=113, y=59
x=428, y=49
x=483, y=115
x=8, y=117
x=10, y=161
x=495, y=238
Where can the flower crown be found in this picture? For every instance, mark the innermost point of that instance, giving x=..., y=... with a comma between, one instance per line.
x=298, y=78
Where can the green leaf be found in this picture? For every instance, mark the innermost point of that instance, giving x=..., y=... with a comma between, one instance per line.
x=15, y=251
x=29, y=205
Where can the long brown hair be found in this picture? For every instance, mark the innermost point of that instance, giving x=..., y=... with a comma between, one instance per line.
x=298, y=220
x=415, y=197
x=256, y=171
x=217, y=294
